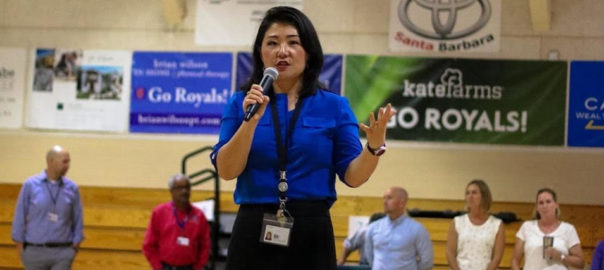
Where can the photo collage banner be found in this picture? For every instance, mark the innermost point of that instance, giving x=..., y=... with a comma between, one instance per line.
x=73, y=89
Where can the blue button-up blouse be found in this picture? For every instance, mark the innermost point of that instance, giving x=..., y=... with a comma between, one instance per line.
x=325, y=140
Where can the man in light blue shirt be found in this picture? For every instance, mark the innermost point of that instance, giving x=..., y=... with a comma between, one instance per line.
x=398, y=241
x=357, y=242
x=48, y=223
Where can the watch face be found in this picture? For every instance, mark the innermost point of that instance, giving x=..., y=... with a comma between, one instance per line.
x=377, y=152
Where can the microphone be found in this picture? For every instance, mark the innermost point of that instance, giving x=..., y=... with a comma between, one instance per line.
x=270, y=75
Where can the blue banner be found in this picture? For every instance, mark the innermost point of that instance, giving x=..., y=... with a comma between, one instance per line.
x=586, y=104
x=331, y=74
x=175, y=92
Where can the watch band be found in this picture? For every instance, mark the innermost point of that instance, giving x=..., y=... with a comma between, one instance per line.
x=378, y=151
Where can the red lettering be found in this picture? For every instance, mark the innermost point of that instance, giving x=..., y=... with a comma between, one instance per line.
x=407, y=41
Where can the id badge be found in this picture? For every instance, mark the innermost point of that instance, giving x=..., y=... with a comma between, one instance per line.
x=276, y=231
x=182, y=241
x=53, y=217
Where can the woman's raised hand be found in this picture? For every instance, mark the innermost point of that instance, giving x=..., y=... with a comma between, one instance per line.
x=376, y=131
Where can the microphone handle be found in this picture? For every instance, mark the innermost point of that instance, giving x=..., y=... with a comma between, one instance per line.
x=265, y=83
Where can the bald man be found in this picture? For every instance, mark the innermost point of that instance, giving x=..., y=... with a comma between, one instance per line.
x=398, y=241
x=47, y=226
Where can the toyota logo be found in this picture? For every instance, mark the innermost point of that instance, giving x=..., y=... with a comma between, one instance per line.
x=451, y=8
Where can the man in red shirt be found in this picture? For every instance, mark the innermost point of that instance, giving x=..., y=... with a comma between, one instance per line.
x=178, y=236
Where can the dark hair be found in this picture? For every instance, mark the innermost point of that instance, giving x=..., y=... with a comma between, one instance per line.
x=554, y=196
x=485, y=193
x=308, y=38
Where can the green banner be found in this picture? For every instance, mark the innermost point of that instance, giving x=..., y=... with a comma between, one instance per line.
x=462, y=100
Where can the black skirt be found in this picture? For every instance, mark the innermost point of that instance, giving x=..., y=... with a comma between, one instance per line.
x=311, y=244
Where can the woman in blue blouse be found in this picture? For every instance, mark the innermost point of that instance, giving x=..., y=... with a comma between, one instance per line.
x=286, y=157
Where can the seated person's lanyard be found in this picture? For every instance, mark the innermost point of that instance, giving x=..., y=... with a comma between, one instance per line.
x=282, y=154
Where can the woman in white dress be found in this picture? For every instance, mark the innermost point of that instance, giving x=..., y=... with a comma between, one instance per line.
x=476, y=240
x=565, y=249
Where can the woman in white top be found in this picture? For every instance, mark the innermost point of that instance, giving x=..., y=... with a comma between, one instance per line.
x=476, y=239
x=566, y=250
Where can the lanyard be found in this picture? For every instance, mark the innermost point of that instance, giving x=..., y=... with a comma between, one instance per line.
x=55, y=196
x=282, y=148
x=181, y=224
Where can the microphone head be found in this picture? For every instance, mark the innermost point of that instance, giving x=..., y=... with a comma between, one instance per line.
x=271, y=72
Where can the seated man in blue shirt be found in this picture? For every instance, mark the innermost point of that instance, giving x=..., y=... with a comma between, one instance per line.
x=398, y=241
x=47, y=226
x=357, y=242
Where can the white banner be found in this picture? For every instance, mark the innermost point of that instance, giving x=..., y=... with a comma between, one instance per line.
x=233, y=22
x=12, y=77
x=79, y=90
x=445, y=26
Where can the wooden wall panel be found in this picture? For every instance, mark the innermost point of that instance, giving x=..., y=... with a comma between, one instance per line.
x=115, y=220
